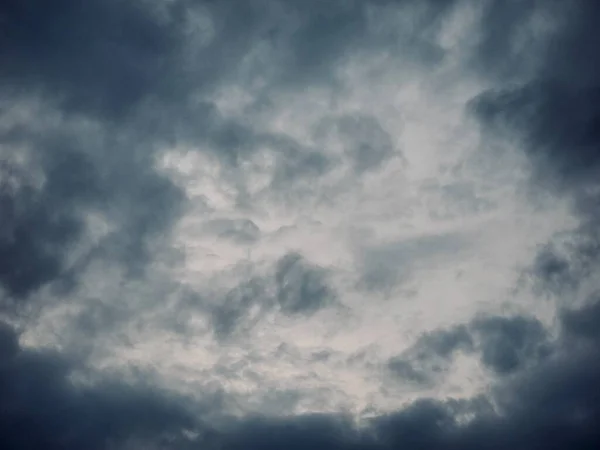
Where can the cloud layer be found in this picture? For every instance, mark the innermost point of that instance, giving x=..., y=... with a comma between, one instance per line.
x=263, y=224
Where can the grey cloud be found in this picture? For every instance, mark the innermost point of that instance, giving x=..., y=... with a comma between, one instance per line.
x=583, y=322
x=314, y=37
x=87, y=69
x=554, y=111
x=504, y=344
x=568, y=260
x=456, y=199
x=553, y=270
x=131, y=71
x=500, y=52
x=293, y=286
x=431, y=355
x=407, y=371
x=367, y=144
x=42, y=408
x=9, y=342
x=32, y=245
x=536, y=112
x=444, y=343
x=242, y=231
x=553, y=405
x=109, y=57
x=296, y=162
x=101, y=56
x=114, y=81
x=127, y=79
x=553, y=114
x=81, y=176
x=231, y=314
x=507, y=344
x=302, y=288
x=384, y=266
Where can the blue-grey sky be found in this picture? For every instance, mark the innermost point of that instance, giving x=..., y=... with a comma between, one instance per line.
x=264, y=224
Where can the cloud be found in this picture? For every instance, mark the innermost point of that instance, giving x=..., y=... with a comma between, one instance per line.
x=582, y=322
x=132, y=133
x=552, y=115
x=238, y=230
x=79, y=177
x=431, y=354
x=504, y=345
x=301, y=287
x=104, y=59
x=508, y=343
x=551, y=405
x=363, y=139
x=387, y=264
x=44, y=408
x=292, y=287
x=562, y=147
x=556, y=408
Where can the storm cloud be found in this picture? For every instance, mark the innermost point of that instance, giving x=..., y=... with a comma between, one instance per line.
x=328, y=224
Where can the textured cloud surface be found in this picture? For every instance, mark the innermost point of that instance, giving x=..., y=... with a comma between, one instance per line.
x=299, y=224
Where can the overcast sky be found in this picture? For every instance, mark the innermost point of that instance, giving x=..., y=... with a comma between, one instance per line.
x=299, y=224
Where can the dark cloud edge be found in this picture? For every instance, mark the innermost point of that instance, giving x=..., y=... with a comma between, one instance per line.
x=554, y=404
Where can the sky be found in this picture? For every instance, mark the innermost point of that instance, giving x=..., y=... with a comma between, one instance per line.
x=266, y=224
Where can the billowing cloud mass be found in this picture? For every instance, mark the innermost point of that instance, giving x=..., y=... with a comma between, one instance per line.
x=264, y=224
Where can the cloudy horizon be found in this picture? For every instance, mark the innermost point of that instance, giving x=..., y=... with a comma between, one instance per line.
x=259, y=224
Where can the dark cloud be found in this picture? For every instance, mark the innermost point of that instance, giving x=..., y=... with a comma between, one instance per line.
x=302, y=288
x=507, y=44
x=93, y=91
x=554, y=270
x=231, y=315
x=504, y=345
x=83, y=70
x=296, y=163
x=294, y=287
x=34, y=239
x=309, y=431
x=553, y=115
x=42, y=408
x=554, y=405
x=364, y=140
x=407, y=371
x=508, y=343
x=551, y=404
x=583, y=322
x=444, y=343
x=81, y=174
x=431, y=355
x=99, y=56
x=554, y=112
x=536, y=112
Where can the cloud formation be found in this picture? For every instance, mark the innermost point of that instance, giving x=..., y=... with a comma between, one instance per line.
x=264, y=224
